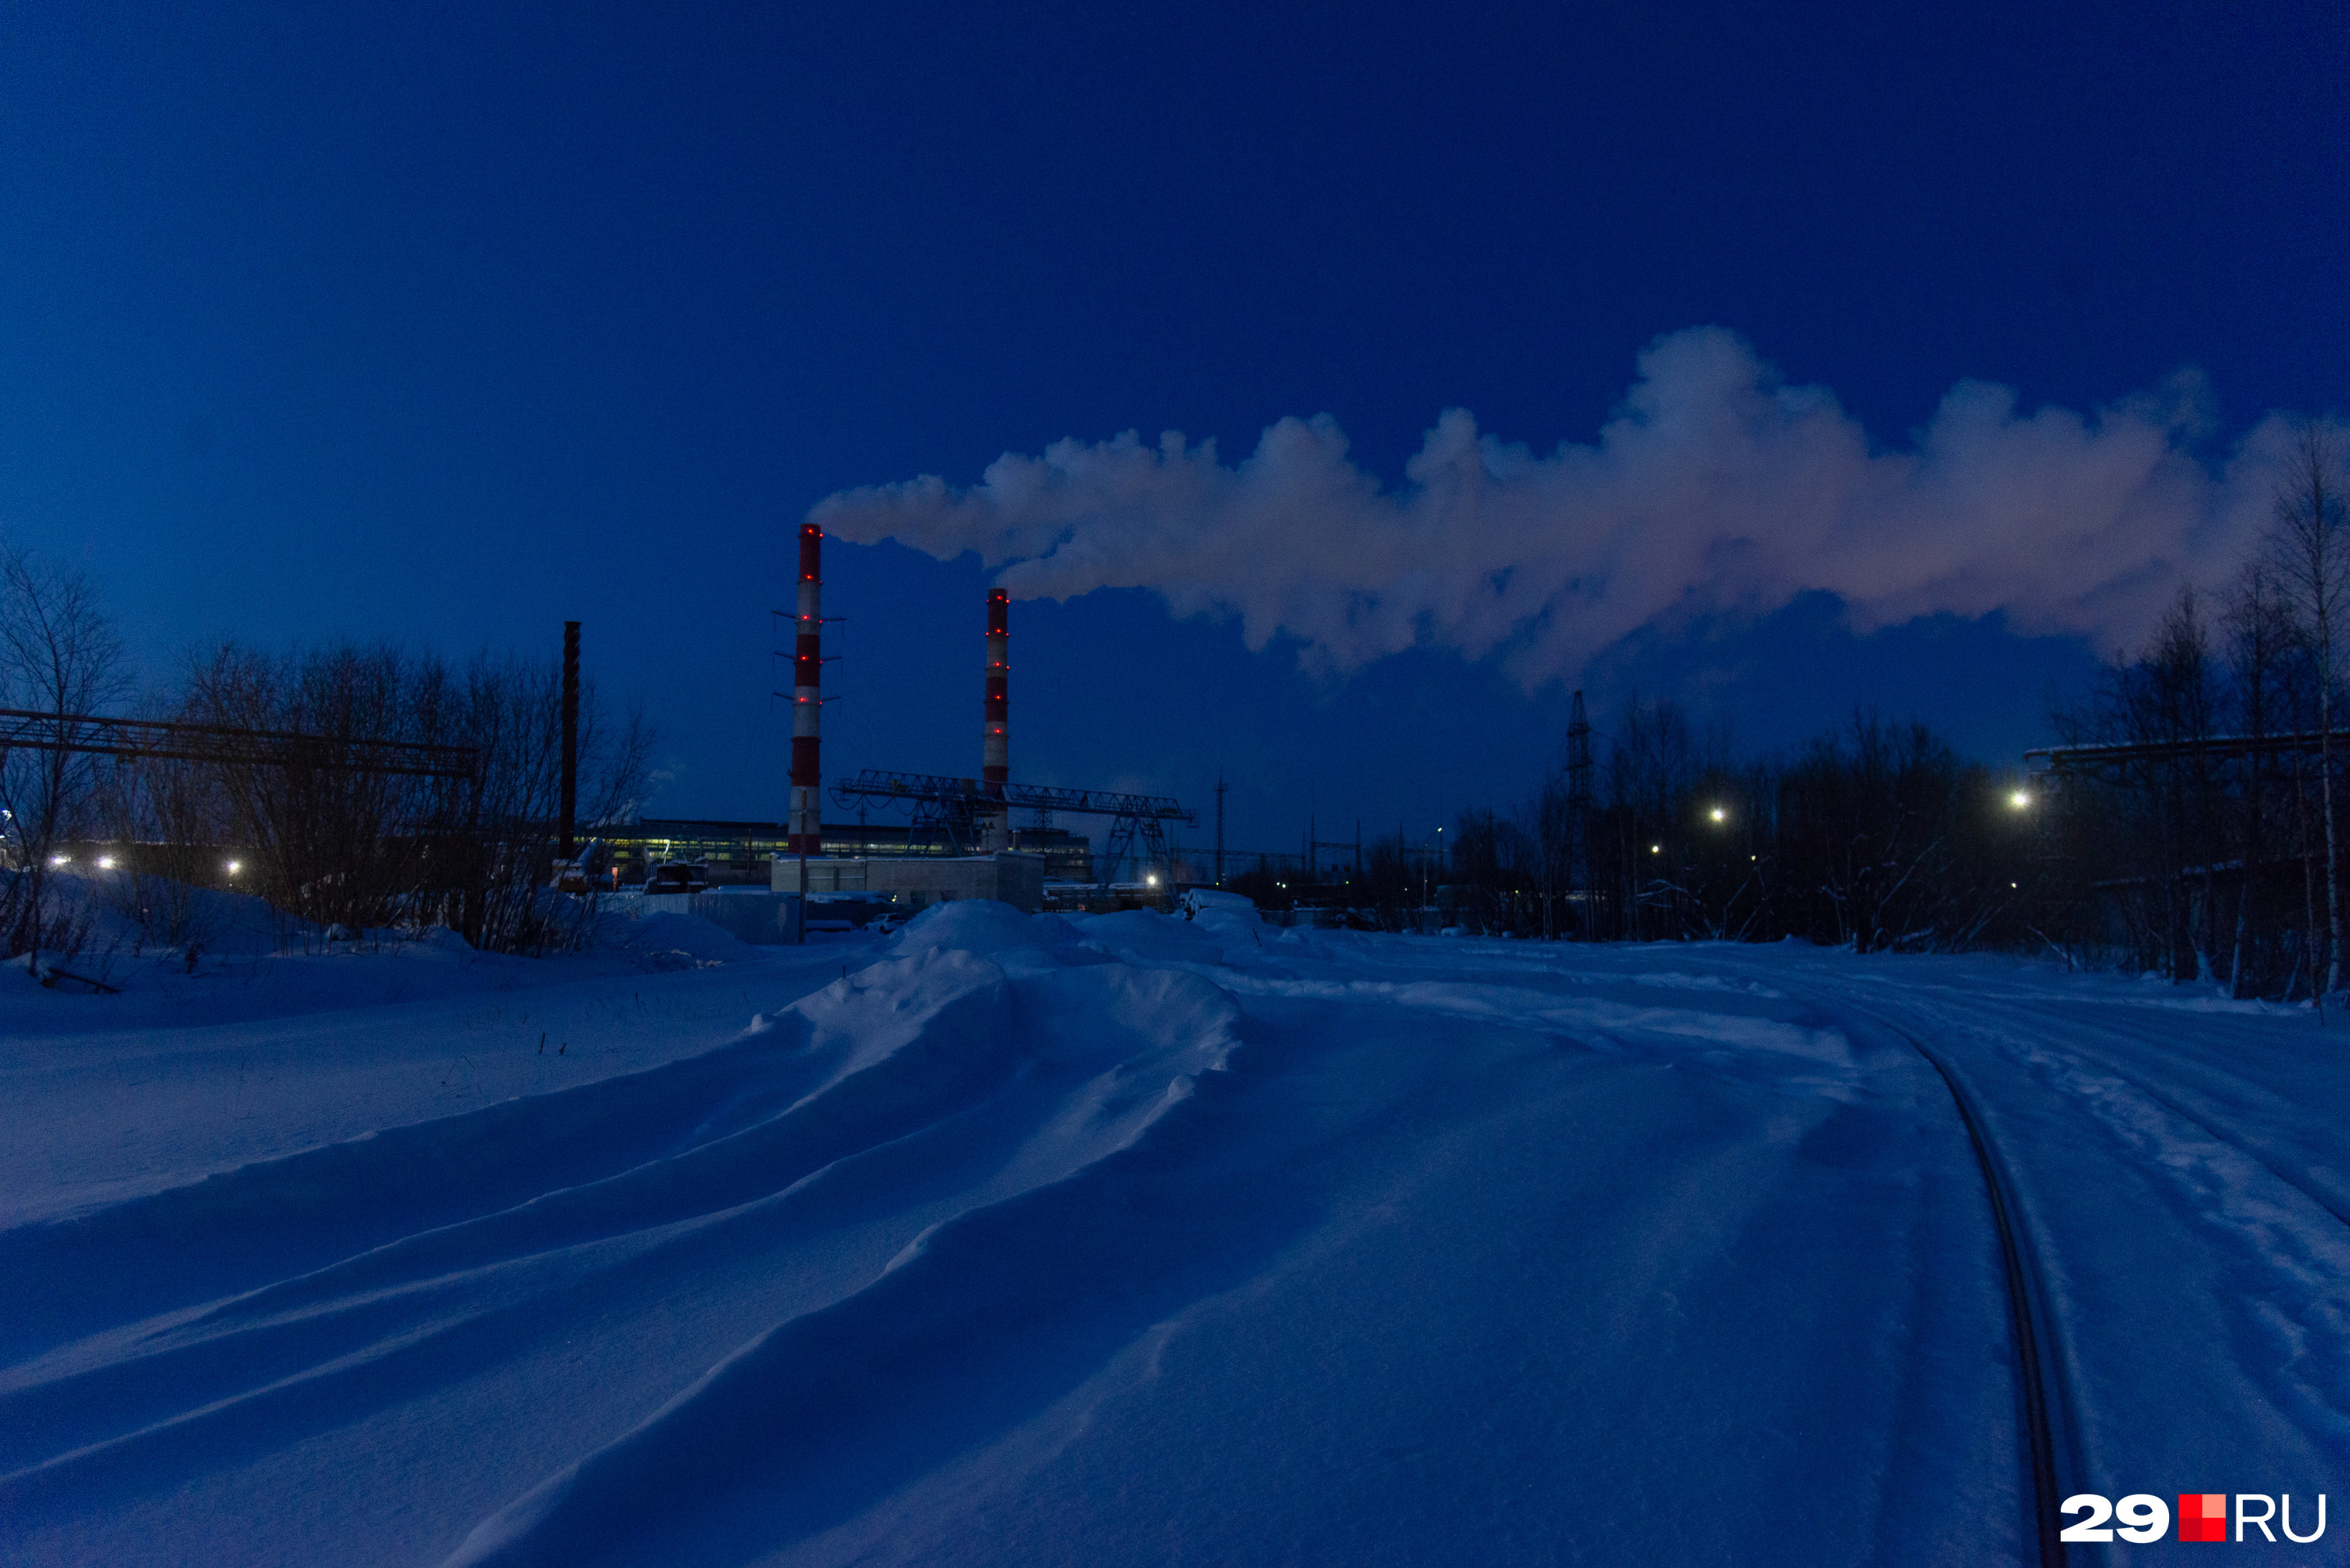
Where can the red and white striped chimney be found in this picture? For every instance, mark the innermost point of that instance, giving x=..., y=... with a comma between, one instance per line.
x=804, y=829
x=994, y=770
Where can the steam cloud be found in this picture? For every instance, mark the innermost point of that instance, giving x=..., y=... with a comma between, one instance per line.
x=1714, y=489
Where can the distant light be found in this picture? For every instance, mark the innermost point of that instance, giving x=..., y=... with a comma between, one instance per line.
x=2020, y=799
x=106, y=862
x=1718, y=815
x=1655, y=849
x=1152, y=879
x=234, y=865
x=60, y=859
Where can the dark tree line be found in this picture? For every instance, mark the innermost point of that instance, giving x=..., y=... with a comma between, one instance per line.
x=358, y=849
x=325, y=846
x=1876, y=835
x=2187, y=862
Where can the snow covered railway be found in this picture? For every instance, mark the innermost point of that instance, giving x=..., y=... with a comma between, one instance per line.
x=2172, y=1168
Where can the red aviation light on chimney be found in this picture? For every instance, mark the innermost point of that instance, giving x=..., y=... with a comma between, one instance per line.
x=804, y=827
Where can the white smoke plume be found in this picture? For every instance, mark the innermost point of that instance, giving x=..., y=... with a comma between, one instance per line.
x=1714, y=488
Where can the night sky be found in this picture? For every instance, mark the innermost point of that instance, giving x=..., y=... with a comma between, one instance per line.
x=442, y=326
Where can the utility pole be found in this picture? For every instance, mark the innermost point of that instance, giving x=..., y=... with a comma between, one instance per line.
x=570, y=734
x=1579, y=816
x=1220, y=787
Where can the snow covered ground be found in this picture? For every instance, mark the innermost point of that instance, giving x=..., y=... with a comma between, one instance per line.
x=1130, y=1239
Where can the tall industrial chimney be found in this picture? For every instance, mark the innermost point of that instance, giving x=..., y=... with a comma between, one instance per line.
x=995, y=750
x=804, y=828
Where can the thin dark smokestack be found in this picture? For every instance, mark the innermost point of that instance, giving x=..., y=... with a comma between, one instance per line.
x=570, y=734
x=804, y=829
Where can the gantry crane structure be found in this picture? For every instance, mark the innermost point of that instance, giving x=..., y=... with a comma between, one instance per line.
x=950, y=812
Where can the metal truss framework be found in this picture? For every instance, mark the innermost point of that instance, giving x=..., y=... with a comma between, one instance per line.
x=947, y=810
x=165, y=739
x=2067, y=762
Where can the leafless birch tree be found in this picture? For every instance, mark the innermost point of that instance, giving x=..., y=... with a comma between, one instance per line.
x=2307, y=543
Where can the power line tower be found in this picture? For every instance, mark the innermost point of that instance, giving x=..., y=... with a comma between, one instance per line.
x=1579, y=816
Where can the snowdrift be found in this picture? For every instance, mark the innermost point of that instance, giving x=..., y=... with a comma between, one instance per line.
x=1021, y=1239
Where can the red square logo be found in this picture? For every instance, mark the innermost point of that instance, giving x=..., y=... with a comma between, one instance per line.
x=2202, y=1516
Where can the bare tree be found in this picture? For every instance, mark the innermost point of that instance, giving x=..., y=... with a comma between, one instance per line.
x=2259, y=642
x=171, y=818
x=512, y=711
x=1652, y=765
x=332, y=847
x=59, y=656
x=2307, y=544
x=337, y=846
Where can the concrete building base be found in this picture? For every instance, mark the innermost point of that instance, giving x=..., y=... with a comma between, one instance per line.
x=916, y=882
x=762, y=919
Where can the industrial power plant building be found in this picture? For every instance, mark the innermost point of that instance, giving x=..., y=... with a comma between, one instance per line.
x=914, y=883
x=736, y=853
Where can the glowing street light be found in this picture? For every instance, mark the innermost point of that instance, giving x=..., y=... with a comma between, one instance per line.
x=106, y=862
x=234, y=867
x=1655, y=849
x=2021, y=799
x=1718, y=815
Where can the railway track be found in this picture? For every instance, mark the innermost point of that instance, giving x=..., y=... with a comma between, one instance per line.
x=2034, y=1344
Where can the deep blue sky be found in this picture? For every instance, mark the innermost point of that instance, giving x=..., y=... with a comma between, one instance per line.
x=445, y=325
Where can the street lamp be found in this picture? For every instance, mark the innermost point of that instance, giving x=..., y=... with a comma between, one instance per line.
x=1718, y=815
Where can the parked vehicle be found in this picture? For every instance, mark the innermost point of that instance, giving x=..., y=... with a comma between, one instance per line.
x=1196, y=901
x=579, y=874
x=850, y=911
x=678, y=877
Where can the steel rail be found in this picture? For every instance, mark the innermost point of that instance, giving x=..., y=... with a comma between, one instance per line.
x=2047, y=1494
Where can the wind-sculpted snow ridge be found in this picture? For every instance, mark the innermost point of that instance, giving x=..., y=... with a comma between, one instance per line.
x=158, y=1328
x=1020, y=1239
